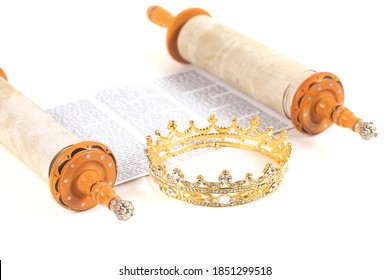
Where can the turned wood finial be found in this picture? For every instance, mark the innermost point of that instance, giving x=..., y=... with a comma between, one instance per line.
x=163, y=18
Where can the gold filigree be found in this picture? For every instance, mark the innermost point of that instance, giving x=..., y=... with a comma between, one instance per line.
x=225, y=191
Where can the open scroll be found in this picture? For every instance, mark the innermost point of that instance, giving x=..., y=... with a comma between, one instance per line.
x=122, y=116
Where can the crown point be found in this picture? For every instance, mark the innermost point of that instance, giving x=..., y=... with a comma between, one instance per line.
x=172, y=125
x=160, y=170
x=149, y=141
x=270, y=131
x=157, y=132
x=225, y=177
x=212, y=119
x=289, y=149
x=283, y=135
x=177, y=175
x=199, y=179
x=269, y=169
x=255, y=121
x=249, y=176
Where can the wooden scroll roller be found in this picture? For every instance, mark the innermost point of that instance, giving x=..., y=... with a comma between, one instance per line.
x=313, y=101
x=81, y=174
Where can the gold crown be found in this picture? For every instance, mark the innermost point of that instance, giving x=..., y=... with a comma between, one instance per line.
x=225, y=191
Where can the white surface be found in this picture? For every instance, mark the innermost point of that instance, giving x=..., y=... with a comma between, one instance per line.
x=328, y=220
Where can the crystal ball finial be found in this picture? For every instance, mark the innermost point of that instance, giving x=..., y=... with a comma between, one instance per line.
x=123, y=209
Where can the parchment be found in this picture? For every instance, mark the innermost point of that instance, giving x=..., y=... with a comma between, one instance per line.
x=254, y=69
x=29, y=132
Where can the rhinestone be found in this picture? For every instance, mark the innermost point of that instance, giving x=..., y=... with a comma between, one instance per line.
x=273, y=187
x=225, y=177
x=170, y=192
x=270, y=169
x=249, y=176
x=159, y=170
x=225, y=200
x=176, y=175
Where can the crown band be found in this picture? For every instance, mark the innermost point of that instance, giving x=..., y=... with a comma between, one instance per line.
x=225, y=191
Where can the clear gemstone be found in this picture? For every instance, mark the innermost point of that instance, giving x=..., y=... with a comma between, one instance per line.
x=225, y=200
x=273, y=187
x=199, y=179
x=159, y=171
x=176, y=175
x=270, y=169
x=170, y=192
x=225, y=177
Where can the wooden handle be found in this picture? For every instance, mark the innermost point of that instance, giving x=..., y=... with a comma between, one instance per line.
x=2, y=74
x=159, y=16
x=328, y=108
x=163, y=18
x=103, y=193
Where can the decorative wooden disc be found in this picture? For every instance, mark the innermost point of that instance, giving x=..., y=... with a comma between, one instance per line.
x=304, y=110
x=76, y=169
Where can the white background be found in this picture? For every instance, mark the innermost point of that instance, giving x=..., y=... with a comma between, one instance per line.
x=328, y=220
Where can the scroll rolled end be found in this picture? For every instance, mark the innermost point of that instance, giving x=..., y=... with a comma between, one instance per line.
x=123, y=209
x=367, y=130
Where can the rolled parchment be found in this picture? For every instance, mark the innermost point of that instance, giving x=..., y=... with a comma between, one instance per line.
x=81, y=174
x=251, y=67
x=29, y=132
x=313, y=101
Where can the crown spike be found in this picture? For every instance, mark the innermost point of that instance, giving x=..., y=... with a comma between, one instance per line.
x=172, y=125
x=283, y=135
x=249, y=176
x=225, y=177
x=212, y=119
x=199, y=179
x=149, y=140
x=255, y=122
x=270, y=131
